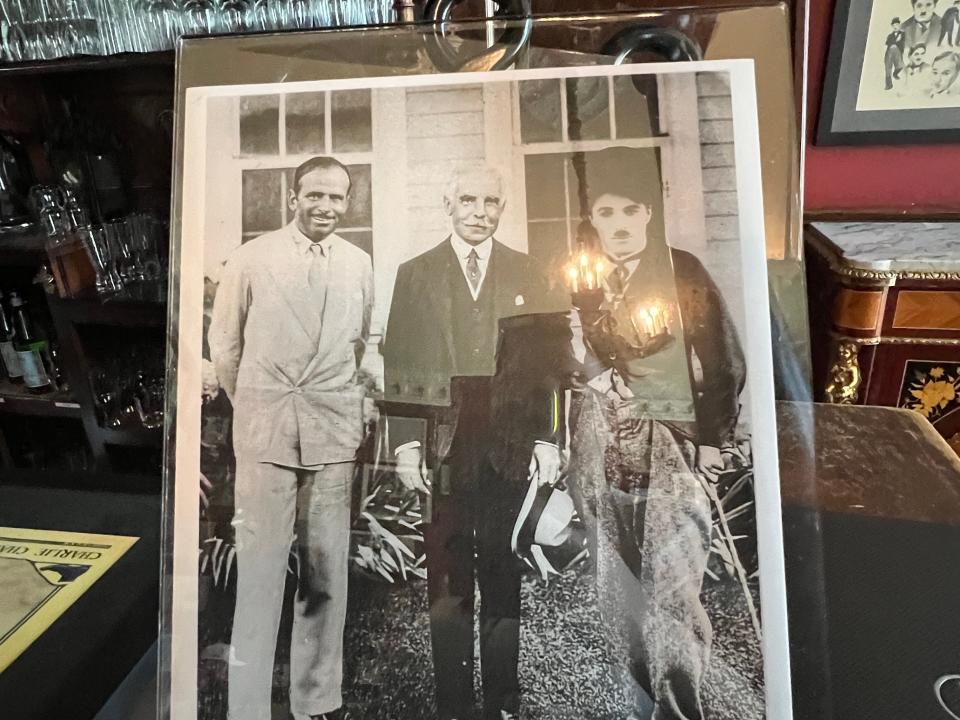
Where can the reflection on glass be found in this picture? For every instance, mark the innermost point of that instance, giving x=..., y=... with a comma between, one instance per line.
x=637, y=106
x=350, y=110
x=588, y=108
x=544, y=182
x=360, y=213
x=305, y=123
x=263, y=201
x=547, y=241
x=539, y=111
x=259, y=116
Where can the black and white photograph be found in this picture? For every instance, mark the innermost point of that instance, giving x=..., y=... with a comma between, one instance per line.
x=475, y=401
x=893, y=73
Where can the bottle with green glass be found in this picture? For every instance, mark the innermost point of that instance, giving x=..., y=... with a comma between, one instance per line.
x=8, y=354
x=32, y=349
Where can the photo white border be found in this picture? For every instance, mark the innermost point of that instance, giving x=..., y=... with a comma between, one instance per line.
x=188, y=238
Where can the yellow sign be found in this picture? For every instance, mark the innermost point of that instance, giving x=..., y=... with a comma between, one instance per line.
x=42, y=573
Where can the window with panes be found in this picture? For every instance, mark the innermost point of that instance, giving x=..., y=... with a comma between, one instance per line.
x=561, y=117
x=279, y=132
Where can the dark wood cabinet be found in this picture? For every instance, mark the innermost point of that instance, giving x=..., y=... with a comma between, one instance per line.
x=885, y=317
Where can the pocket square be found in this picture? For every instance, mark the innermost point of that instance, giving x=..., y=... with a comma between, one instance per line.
x=518, y=300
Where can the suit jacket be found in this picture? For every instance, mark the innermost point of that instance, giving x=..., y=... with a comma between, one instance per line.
x=896, y=40
x=950, y=18
x=418, y=352
x=288, y=360
x=709, y=332
x=914, y=36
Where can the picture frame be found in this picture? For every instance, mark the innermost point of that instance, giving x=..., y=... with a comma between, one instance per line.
x=875, y=91
x=705, y=196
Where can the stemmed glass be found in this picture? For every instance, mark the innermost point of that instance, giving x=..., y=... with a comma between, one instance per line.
x=257, y=16
x=99, y=250
x=77, y=215
x=145, y=232
x=121, y=240
x=148, y=399
x=199, y=17
x=233, y=15
x=106, y=396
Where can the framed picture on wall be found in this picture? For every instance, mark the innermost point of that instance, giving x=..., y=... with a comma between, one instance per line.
x=893, y=74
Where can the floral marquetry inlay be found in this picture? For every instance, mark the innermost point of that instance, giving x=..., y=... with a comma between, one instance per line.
x=931, y=388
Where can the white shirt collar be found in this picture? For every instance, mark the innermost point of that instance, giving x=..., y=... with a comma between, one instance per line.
x=462, y=248
x=303, y=243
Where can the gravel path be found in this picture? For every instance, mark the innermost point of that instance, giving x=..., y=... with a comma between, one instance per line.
x=564, y=669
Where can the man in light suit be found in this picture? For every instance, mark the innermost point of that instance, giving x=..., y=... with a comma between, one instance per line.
x=289, y=325
x=441, y=349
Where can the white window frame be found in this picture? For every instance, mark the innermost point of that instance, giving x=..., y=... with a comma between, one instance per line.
x=284, y=161
x=682, y=173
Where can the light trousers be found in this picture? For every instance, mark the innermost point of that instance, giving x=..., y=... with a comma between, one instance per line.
x=275, y=508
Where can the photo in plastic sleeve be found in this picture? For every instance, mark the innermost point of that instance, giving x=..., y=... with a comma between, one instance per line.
x=475, y=408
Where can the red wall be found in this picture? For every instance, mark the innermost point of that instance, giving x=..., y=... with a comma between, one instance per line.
x=891, y=179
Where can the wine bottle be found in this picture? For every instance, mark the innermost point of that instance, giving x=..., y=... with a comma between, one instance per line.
x=32, y=350
x=8, y=355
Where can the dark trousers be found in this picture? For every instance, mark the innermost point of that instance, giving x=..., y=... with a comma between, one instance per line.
x=892, y=64
x=469, y=537
x=650, y=527
x=947, y=31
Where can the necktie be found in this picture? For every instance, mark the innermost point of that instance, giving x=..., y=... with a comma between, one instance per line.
x=617, y=280
x=318, y=267
x=473, y=269
x=317, y=275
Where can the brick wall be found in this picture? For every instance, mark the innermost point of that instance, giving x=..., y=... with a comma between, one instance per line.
x=444, y=130
x=722, y=254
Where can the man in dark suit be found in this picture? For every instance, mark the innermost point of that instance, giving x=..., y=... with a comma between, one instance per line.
x=924, y=26
x=440, y=349
x=893, y=56
x=949, y=24
x=648, y=435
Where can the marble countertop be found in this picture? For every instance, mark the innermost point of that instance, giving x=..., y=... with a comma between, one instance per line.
x=894, y=246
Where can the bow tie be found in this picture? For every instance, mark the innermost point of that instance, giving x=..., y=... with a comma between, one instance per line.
x=624, y=260
x=923, y=26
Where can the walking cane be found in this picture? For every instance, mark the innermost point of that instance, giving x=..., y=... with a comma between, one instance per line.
x=727, y=537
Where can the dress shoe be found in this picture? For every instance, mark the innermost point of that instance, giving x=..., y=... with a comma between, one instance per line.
x=338, y=714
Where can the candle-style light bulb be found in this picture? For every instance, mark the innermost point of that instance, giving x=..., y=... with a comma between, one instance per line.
x=644, y=317
x=655, y=319
x=585, y=272
x=573, y=275
x=600, y=272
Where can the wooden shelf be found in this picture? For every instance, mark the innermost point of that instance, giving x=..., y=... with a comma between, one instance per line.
x=15, y=400
x=22, y=247
x=83, y=63
x=132, y=436
x=87, y=480
x=141, y=306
